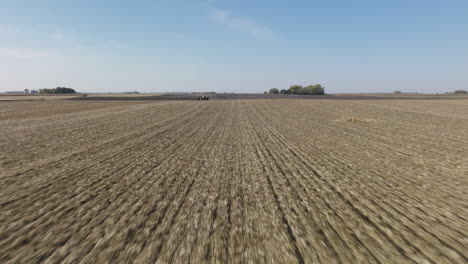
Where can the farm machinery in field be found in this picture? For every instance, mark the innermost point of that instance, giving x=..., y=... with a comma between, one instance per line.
x=203, y=98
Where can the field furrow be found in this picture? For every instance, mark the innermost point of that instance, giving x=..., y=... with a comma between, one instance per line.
x=234, y=181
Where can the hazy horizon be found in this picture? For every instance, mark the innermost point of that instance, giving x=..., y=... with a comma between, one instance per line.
x=242, y=46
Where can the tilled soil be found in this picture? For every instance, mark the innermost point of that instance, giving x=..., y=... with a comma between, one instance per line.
x=235, y=181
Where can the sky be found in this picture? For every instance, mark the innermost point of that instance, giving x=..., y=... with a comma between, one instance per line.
x=234, y=46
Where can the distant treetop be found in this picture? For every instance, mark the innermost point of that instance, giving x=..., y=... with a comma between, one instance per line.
x=461, y=92
x=58, y=90
x=274, y=91
x=316, y=89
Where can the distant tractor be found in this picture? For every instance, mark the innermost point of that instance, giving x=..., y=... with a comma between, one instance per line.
x=203, y=98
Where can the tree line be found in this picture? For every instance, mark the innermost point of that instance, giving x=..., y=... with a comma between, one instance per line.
x=58, y=90
x=461, y=92
x=299, y=89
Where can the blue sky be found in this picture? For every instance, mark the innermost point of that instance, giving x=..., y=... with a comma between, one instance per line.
x=234, y=46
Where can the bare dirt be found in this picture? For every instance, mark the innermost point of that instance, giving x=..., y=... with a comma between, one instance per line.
x=234, y=181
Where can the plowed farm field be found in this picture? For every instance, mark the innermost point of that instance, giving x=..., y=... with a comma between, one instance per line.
x=234, y=181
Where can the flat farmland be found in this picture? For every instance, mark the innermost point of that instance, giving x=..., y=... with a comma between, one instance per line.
x=234, y=181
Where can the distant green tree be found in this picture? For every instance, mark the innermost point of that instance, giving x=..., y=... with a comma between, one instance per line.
x=461, y=91
x=274, y=91
x=319, y=89
x=284, y=91
x=296, y=89
x=397, y=92
x=58, y=90
x=314, y=89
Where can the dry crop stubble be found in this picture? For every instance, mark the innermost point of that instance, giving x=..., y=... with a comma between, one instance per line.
x=234, y=181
